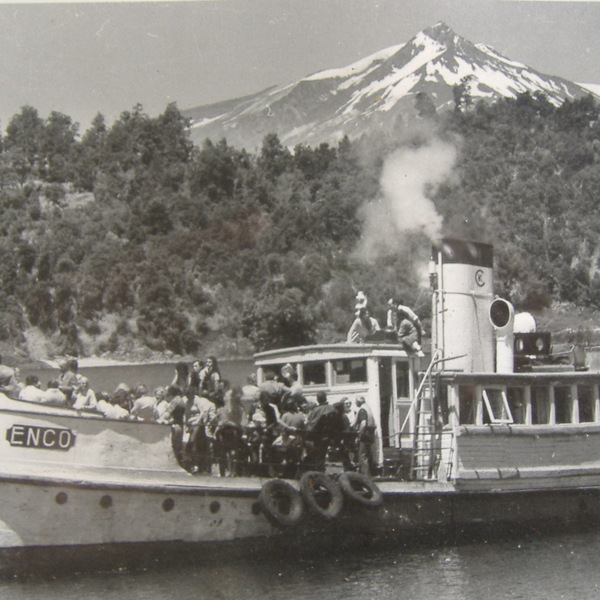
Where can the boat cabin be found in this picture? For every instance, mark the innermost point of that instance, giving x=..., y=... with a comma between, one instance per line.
x=383, y=373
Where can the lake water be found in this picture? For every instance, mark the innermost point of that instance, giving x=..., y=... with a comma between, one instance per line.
x=557, y=567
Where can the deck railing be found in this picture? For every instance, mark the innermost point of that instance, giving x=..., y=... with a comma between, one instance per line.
x=429, y=444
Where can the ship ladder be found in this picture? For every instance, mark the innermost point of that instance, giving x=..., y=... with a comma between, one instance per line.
x=424, y=460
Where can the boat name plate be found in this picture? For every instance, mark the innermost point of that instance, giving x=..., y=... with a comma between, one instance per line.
x=47, y=438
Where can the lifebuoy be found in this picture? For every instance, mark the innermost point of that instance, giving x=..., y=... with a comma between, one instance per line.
x=360, y=488
x=322, y=495
x=281, y=503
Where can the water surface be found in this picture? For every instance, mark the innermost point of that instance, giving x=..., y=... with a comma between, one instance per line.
x=547, y=568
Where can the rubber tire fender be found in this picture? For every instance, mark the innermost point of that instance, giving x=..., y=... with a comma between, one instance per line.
x=360, y=489
x=322, y=495
x=281, y=503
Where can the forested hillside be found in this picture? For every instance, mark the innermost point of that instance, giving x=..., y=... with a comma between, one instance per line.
x=128, y=240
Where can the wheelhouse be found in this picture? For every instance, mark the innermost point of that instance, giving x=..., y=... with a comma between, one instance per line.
x=383, y=373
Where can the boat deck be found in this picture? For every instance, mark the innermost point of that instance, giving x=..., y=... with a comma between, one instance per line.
x=172, y=482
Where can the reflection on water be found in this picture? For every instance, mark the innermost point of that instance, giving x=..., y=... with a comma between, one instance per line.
x=548, y=568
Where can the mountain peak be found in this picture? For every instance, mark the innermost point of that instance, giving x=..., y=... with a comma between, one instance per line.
x=440, y=32
x=381, y=91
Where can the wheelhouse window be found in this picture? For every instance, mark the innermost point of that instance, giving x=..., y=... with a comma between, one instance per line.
x=271, y=370
x=314, y=373
x=587, y=402
x=402, y=381
x=496, y=405
x=442, y=408
x=516, y=404
x=467, y=405
x=349, y=371
x=540, y=405
x=563, y=404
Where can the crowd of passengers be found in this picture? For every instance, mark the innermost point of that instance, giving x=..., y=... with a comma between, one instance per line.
x=270, y=429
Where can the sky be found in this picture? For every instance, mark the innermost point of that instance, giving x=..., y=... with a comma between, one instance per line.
x=84, y=58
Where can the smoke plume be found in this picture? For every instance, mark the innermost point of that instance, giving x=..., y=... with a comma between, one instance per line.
x=409, y=176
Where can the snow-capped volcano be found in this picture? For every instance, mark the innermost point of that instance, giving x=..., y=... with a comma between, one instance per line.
x=375, y=92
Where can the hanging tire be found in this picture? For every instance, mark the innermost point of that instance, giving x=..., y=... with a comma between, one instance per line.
x=281, y=503
x=360, y=489
x=322, y=495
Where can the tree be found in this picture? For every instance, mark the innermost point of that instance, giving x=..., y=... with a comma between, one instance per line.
x=279, y=320
x=57, y=145
x=23, y=141
x=274, y=158
x=213, y=170
x=89, y=154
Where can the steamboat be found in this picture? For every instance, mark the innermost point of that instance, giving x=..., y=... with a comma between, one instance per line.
x=485, y=431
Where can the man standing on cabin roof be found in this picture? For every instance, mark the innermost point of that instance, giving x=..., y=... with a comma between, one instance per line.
x=365, y=428
x=363, y=326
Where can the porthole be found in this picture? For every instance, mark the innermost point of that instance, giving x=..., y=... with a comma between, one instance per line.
x=215, y=507
x=61, y=498
x=106, y=501
x=168, y=504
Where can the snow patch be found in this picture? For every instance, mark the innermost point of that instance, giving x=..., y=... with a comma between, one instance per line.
x=357, y=67
x=491, y=52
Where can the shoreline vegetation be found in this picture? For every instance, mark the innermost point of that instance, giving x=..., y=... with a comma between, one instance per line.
x=130, y=243
x=569, y=325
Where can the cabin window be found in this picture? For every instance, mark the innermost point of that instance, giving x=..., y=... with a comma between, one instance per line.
x=540, y=405
x=402, y=380
x=349, y=371
x=586, y=400
x=467, y=404
x=496, y=404
x=271, y=369
x=563, y=404
x=443, y=410
x=314, y=373
x=516, y=404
